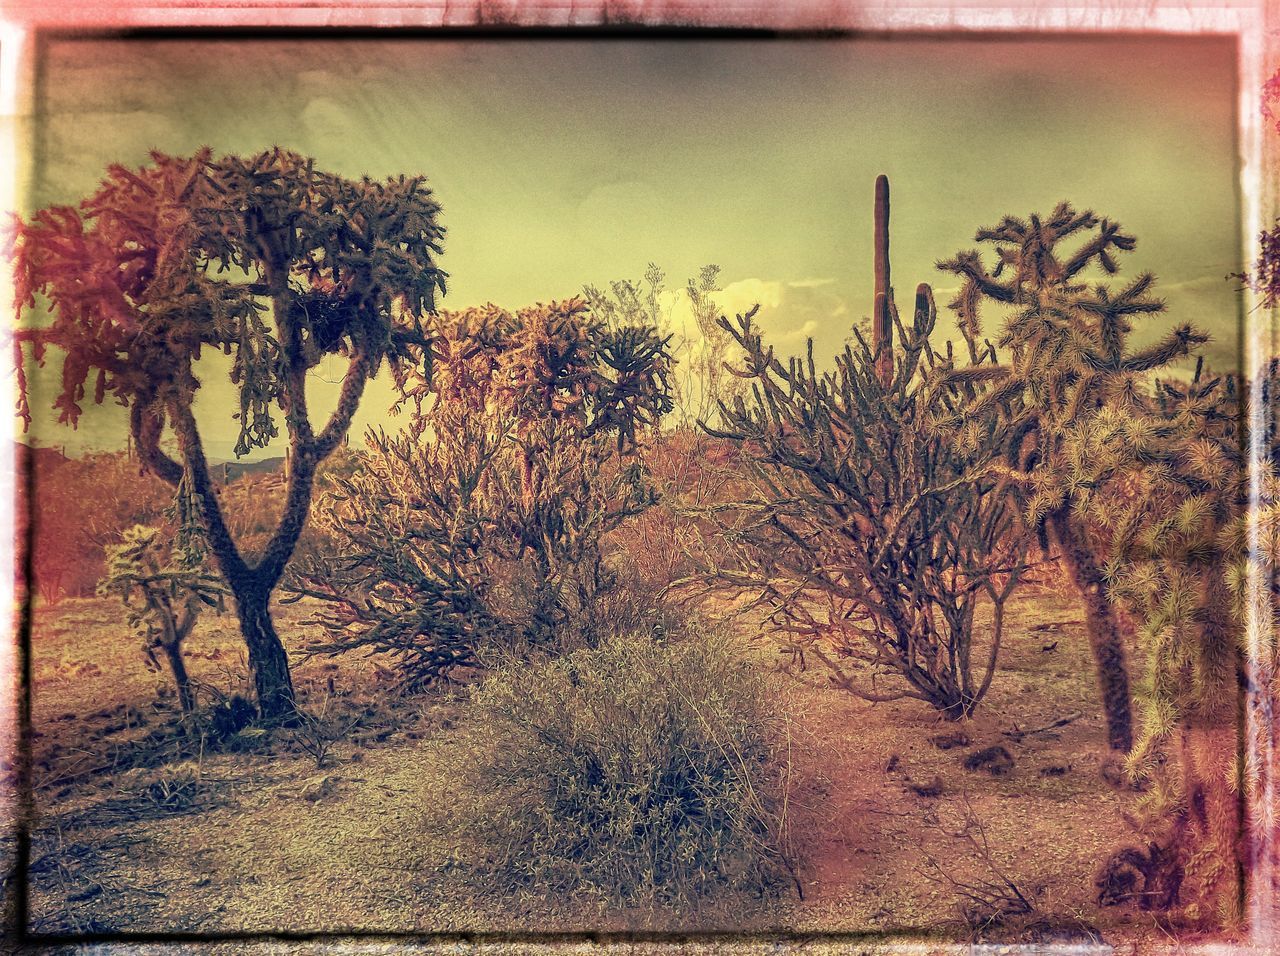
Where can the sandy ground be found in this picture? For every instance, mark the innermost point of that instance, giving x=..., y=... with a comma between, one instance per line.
x=138, y=832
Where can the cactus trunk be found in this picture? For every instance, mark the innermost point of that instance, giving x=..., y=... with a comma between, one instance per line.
x=882, y=325
x=1106, y=633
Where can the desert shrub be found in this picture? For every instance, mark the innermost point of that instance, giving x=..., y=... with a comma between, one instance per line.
x=252, y=507
x=689, y=470
x=425, y=569
x=251, y=502
x=688, y=317
x=685, y=466
x=479, y=528
x=161, y=577
x=635, y=772
x=862, y=535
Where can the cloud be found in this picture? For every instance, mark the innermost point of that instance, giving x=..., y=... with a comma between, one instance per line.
x=739, y=297
x=789, y=312
x=326, y=120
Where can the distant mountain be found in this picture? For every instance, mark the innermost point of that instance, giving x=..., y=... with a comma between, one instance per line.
x=42, y=460
x=231, y=470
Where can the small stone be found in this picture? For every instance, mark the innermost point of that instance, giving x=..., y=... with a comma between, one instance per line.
x=930, y=788
x=318, y=788
x=996, y=761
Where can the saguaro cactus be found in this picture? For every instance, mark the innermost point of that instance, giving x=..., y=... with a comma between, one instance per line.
x=883, y=563
x=882, y=324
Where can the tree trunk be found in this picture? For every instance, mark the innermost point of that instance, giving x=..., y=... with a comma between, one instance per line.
x=1106, y=630
x=267, y=658
x=176, y=664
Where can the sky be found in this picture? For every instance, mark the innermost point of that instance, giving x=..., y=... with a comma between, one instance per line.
x=564, y=162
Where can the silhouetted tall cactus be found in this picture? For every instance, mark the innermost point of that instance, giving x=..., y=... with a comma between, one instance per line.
x=868, y=539
x=881, y=324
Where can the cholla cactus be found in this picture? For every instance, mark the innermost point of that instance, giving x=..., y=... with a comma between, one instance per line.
x=1171, y=543
x=481, y=525
x=266, y=258
x=1179, y=557
x=1067, y=358
x=1141, y=483
x=1254, y=579
x=867, y=539
x=164, y=585
x=701, y=346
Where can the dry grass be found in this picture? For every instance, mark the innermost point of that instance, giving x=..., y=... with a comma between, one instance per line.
x=640, y=773
x=139, y=829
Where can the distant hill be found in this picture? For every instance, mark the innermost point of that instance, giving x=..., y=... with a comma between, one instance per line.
x=238, y=469
x=42, y=460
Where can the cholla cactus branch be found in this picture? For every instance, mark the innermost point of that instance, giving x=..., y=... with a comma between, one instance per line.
x=479, y=528
x=865, y=537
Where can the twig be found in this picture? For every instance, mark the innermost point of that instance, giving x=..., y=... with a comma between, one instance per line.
x=1020, y=735
x=990, y=900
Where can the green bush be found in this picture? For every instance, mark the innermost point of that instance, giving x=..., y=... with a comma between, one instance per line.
x=636, y=772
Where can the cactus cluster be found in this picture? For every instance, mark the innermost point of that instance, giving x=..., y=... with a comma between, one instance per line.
x=479, y=528
x=1139, y=481
x=866, y=537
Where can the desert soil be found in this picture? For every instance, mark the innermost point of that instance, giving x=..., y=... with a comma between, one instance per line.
x=138, y=830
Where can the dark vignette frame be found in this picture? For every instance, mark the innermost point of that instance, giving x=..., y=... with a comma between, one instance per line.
x=503, y=25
